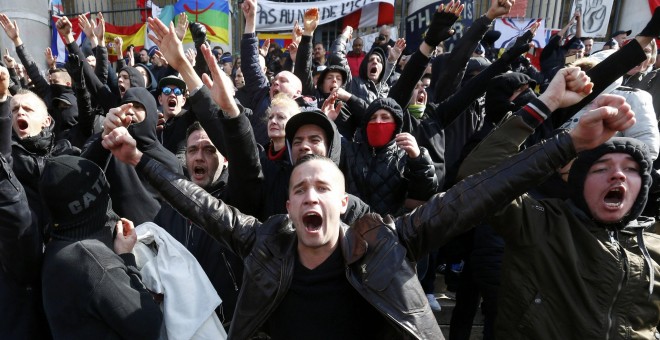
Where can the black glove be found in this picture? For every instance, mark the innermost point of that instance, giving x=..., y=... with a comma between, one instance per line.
x=74, y=67
x=198, y=32
x=438, y=31
x=519, y=47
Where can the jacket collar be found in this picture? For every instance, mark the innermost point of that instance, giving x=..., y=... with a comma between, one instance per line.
x=281, y=243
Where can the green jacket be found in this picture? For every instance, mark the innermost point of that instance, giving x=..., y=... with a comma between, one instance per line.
x=563, y=276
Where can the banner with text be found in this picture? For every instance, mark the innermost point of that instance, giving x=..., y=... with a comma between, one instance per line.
x=280, y=16
x=421, y=13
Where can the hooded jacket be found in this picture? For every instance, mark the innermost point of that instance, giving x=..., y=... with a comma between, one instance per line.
x=132, y=197
x=29, y=156
x=152, y=81
x=567, y=276
x=361, y=86
x=384, y=177
x=64, y=109
x=21, y=248
x=89, y=291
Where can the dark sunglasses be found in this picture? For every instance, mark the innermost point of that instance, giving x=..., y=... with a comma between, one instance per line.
x=167, y=90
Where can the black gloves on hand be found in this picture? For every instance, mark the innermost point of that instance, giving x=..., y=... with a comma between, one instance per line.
x=198, y=32
x=519, y=47
x=439, y=29
x=74, y=66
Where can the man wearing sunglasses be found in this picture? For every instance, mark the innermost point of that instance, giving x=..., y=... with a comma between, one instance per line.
x=175, y=119
x=172, y=96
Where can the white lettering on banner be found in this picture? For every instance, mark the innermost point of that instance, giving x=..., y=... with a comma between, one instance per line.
x=419, y=21
x=280, y=16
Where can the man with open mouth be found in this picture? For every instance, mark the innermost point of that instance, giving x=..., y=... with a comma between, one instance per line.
x=306, y=267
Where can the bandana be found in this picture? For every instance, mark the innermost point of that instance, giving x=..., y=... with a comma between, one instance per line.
x=379, y=134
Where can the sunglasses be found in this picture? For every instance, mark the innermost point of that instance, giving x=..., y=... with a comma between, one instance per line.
x=167, y=90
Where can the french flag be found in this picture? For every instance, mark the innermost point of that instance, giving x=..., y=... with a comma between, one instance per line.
x=374, y=14
x=57, y=44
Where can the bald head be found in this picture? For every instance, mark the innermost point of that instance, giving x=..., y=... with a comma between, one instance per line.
x=287, y=83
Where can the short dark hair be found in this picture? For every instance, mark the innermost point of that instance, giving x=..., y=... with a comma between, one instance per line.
x=57, y=70
x=314, y=157
x=195, y=126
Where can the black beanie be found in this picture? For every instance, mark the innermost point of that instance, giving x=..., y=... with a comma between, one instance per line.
x=332, y=68
x=580, y=168
x=76, y=194
x=500, y=89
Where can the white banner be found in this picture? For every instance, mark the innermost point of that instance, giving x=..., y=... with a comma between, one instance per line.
x=595, y=16
x=280, y=16
x=512, y=28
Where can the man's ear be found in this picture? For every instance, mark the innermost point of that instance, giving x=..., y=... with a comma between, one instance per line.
x=344, y=203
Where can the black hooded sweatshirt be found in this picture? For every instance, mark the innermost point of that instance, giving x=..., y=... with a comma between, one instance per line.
x=384, y=177
x=132, y=197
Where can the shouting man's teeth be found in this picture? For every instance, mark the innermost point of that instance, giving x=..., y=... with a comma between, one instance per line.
x=312, y=221
x=614, y=197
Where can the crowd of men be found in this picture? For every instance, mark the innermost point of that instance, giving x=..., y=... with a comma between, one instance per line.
x=320, y=188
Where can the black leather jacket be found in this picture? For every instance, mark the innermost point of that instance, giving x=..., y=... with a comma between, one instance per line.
x=379, y=252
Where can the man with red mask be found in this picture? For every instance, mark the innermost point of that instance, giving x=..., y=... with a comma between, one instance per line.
x=387, y=169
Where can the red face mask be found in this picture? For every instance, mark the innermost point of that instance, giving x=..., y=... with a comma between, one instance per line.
x=379, y=134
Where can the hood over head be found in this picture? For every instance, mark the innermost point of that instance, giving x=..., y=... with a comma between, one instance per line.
x=153, y=84
x=145, y=131
x=318, y=118
x=580, y=168
x=64, y=107
x=77, y=195
x=388, y=104
x=365, y=63
x=134, y=76
x=501, y=88
x=332, y=68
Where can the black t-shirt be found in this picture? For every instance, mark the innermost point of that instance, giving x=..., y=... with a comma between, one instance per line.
x=322, y=304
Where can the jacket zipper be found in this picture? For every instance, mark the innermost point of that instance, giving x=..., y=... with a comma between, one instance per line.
x=230, y=270
x=287, y=272
x=610, y=322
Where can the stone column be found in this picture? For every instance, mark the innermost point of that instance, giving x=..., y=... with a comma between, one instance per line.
x=32, y=17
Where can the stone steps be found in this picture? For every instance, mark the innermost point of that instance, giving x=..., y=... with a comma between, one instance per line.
x=447, y=301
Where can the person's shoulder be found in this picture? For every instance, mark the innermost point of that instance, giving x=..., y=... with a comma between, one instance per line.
x=84, y=252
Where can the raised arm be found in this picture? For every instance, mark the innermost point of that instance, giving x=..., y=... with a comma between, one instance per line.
x=451, y=75
x=443, y=20
x=226, y=224
x=568, y=86
x=97, y=89
x=449, y=109
x=84, y=129
x=41, y=86
x=478, y=197
x=303, y=67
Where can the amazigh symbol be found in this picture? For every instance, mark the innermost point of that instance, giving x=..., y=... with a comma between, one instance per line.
x=197, y=12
